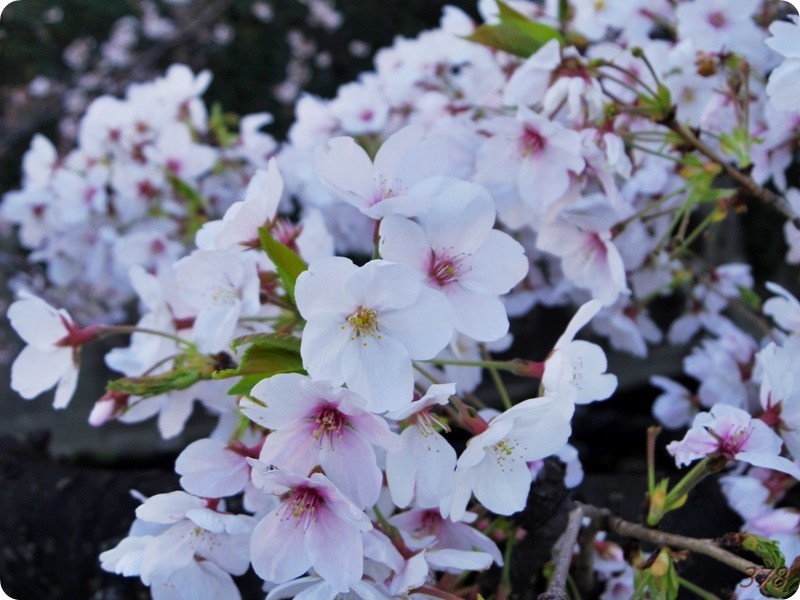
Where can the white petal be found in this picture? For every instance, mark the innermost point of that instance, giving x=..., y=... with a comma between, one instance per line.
x=480, y=316
x=336, y=550
x=404, y=241
x=35, y=371
x=497, y=266
x=319, y=290
x=423, y=328
x=379, y=369
x=345, y=171
x=322, y=347
x=277, y=549
x=286, y=398
x=36, y=322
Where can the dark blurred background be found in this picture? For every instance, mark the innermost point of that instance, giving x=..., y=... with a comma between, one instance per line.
x=64, y=485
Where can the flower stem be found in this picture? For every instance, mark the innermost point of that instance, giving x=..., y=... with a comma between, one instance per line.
x=498, y=381
x=501, y=365
x=652, y=434
x=124, y=329
x=708, y=466
x=697, y=590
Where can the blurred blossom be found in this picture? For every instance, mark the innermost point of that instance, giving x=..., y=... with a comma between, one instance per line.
x=223, y=34
x=40, y=86
x=323, y=13
x=53, y=15
x=76, y=54
x=262, y=11
x=154, y=26
x=323, y=60
x=359, y=48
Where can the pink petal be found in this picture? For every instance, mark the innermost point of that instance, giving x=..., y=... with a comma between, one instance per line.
x=350, y=463
x=335, y=550
x=278, y=550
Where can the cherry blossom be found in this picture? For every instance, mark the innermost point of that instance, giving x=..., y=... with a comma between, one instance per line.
x=494, y=465
x=366, y=324
x=455, y=247
x=315, y=527
x=317, y=425
x=732, y=433
x=51, y=358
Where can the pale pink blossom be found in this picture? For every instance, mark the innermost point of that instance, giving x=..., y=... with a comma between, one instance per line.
x=494, y=465
x=732, y=433
x=316, y=527
x=315, y=424
x=454, y=246
x=51, y=358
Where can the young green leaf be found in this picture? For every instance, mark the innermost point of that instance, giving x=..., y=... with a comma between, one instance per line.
x=288, y=264
x=515, y=33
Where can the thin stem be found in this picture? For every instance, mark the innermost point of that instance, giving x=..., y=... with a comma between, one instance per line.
x=387, y=527
x=652, y=434
x=697, y=590
x=707, y=547
x=619, y=81
x=426, y=374
x=573, y=588
x=689, y=240
x=654, y=152
x=643, y=57
x=124, y=329
x=630, y=74
x=558, y=584
x=161, y=362
x=707, y=466
x=484, y=364
x=511, y=541
x=498, y=381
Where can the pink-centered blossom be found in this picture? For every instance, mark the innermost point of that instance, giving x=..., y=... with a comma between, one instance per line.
x=454, y=246
x=732, y=433
x=315, y=424
x=316, y=527
x=52, y=355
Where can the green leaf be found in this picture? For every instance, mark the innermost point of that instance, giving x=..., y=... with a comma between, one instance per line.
x=515, y=33
x=288, y=264
x=737, y=144
x=659, y=106
x=245, y=385
x=266, y=355
x=282, y=341
x=749, y=297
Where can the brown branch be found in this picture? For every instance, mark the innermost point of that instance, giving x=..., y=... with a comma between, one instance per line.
x=708, y=547
x=558, y=584
x=757, y=191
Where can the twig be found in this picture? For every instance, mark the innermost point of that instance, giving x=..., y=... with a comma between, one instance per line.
x=757, y=191
x=558, y=584
x=584, y=564
x=707, y=547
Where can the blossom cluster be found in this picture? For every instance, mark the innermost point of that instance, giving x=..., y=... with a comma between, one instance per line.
x=461, y=183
